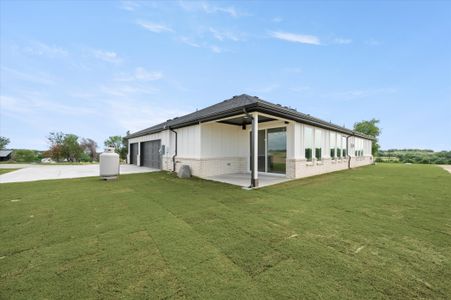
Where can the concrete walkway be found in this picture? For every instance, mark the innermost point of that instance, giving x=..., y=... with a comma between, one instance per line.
x=40, y=172
x=244, y=179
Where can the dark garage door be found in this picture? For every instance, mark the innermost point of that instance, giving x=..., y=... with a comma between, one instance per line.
x=133, y=153
x=150, y=154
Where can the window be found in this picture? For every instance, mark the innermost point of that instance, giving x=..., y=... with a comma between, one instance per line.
x=318, y=153
x=332, y=143
x=308, y=154
x=318, y=144
x=359, y=146
x=308, y=143
x=343, y=146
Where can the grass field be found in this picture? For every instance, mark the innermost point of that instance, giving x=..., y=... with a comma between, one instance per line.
x=3, y=171
x=375, y=232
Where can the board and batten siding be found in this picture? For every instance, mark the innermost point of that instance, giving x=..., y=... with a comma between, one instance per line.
x=188, y=142
x=223, y=140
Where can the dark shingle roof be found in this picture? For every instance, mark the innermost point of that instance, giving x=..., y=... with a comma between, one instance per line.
x=5, y=152
x=237, y=105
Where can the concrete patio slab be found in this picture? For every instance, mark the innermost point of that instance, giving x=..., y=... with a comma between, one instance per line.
x=244, y=179
x=40, y=172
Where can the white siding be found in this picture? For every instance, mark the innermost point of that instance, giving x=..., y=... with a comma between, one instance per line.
x=188, y=142
x=222, y=140
x=215, y=148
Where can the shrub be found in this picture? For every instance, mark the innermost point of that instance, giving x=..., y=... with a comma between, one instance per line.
x=24, y=155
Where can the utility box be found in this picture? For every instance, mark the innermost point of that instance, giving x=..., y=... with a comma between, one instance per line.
x=109, y=164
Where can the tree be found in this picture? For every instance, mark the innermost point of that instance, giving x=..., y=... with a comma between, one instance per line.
x=89, y=147
x=370, y=128
x=24, y=155
x=3, y=142
x=119, y=144
x=71, y=149
x=56, y=139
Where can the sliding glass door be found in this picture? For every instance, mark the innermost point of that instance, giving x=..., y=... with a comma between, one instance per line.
x=277, y=150
x=261, y=151
x=272, y=150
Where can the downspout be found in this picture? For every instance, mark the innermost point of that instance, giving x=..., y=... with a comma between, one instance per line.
x=252, y=150
x=175, y=150
x=347, y=150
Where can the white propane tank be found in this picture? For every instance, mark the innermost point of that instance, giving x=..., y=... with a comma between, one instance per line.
x=109, y=164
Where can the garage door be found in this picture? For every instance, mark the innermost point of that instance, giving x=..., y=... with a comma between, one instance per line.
x=133, y=153
x=150, y=154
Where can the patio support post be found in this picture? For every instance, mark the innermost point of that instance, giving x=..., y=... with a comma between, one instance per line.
x=138, y=157
x=254, y=147
x=128, y=152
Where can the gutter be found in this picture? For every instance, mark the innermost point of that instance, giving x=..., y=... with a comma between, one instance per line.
x=264, y=108
x=175, y=152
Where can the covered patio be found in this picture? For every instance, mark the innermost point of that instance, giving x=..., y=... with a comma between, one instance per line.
x=263, y=143
x=244, y=179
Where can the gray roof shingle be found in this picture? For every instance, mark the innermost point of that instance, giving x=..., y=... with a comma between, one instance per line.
x=5, y=153
x=237, y=105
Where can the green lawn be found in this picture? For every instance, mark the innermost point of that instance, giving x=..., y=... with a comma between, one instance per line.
x=375, y=232
x=3, y=171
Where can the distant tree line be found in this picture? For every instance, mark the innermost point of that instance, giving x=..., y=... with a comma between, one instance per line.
x=414, y=156
x=70, y=148
x=119, y=143
x=67, y=148
x=370, y=128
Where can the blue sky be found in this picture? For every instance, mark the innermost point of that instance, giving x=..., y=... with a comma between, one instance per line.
x=101, y=68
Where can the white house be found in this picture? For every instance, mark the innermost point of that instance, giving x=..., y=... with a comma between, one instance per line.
x=220, y=139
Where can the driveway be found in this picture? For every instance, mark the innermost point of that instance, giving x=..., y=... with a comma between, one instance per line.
x=446, y=167
x=40, y=172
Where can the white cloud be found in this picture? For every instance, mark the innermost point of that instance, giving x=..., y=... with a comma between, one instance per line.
x=137, y=115
x=143, y=74
x=42, y=49
x=29, y=104
x=154, y=27
x=108, y=56
x=129, y=5
x=189, y=42
x=216, y=49
x=205, y=7
x=224, y=35
x=296, y=38
x=127, y=90
x=35, y=77
x=231, y=11
x=342, y=41
x=140, y=74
